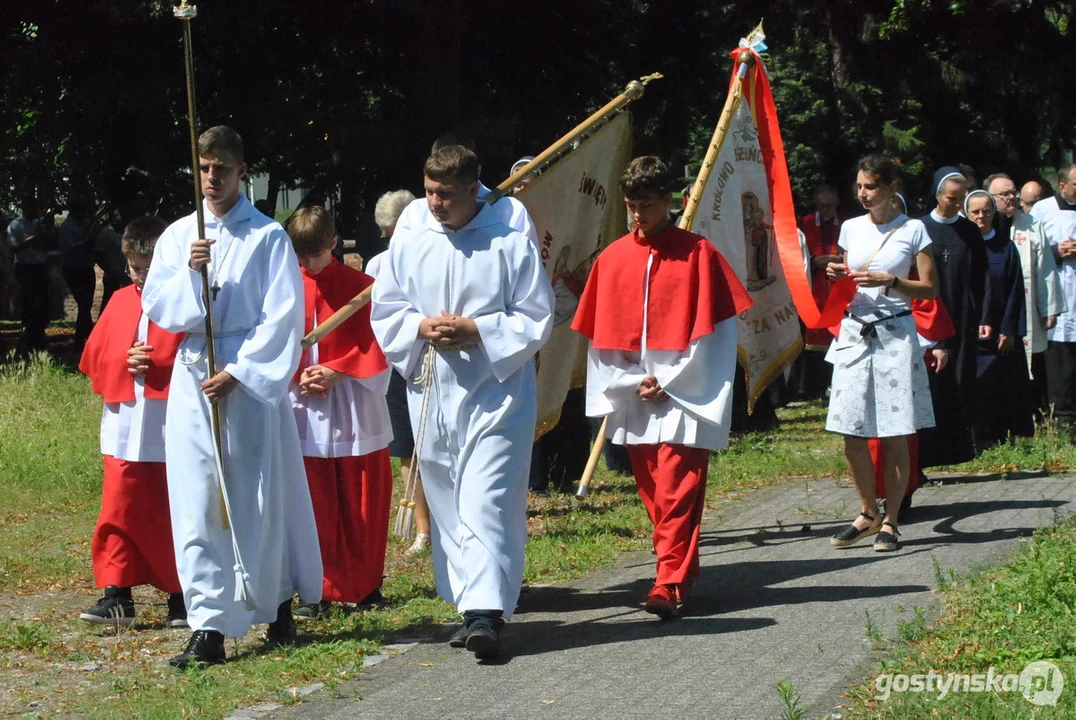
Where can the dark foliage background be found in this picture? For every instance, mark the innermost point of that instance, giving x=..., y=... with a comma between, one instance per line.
x=347, y=96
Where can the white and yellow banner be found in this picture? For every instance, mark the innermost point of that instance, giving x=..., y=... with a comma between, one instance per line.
x=577, y=210
x=735, y=213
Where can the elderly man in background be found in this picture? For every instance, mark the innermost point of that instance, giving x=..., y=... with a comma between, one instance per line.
x=1030, y=194
x=1044, y=300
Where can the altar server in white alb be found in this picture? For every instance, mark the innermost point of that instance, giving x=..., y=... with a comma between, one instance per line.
x=256, y=293
x=464, y=303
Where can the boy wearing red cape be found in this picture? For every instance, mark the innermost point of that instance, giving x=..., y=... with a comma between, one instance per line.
x=129, y=362
x=338, y=394
x=659, y=309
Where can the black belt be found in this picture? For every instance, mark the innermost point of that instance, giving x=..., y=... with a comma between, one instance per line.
x=868, y=330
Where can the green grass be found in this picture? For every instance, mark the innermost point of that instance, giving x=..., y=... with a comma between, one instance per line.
x=1003, y=618
x=49, y=498
x=50, y=465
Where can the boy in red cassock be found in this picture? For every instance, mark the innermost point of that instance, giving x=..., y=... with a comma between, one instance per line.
x=338, y=394
x=660, y=310
x=129, y=362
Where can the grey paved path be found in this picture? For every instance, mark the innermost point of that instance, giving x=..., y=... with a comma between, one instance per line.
x=774, y=603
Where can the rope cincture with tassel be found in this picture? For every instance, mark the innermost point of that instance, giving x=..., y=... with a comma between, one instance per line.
x=244, y=592
x=405, y=516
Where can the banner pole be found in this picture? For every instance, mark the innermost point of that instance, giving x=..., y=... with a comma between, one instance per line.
x=633, y=91
x=745, y=58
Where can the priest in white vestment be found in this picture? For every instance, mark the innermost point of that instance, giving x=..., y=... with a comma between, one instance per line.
x=257, y=301
x=464, y=303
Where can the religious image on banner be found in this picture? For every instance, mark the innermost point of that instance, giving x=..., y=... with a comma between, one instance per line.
x=577, y=211
x=735, y=213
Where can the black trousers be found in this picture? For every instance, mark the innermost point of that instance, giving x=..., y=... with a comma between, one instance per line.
x=34, y=286
x=81, y=282
x=1038, y=382
x=1061, y=380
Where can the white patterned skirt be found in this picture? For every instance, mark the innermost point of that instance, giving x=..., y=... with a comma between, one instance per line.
x=880, y=386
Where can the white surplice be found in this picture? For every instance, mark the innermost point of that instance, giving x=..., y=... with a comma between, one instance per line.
x=698, y=382
x=134, y=430
x=257, y=321
x=351, y=420
x=1059, y=224
x=475, y=456
x=506, y=210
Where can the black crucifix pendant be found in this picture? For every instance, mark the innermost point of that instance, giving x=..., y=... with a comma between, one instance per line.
x=214, y=289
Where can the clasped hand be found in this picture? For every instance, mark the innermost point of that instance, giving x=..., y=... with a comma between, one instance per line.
x=449, y=332
x=138, y=358
x=650, y=390
x=317, y=380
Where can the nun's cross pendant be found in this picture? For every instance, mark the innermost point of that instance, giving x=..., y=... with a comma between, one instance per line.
x=214, y=290
x=945, y=256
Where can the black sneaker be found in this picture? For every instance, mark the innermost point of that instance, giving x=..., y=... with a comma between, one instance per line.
x=177, y=612
x=206, y=647
x=484, y=638
x=458, y=639
x=282, y=630
x=115, y=608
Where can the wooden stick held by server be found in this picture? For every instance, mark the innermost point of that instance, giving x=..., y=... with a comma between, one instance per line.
x=592, y=461
x=337, y=318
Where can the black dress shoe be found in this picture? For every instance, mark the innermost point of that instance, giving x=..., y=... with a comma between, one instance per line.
x=206, y=647
x=282, y=630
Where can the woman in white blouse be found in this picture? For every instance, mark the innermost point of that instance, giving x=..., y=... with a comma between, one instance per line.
x=880, y=386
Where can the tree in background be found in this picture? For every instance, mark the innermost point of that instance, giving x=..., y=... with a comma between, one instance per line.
x=346, y=98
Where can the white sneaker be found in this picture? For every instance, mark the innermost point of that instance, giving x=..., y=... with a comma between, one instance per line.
x=422, y=541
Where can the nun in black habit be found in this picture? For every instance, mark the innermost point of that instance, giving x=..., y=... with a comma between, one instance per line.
x=1004, y=388
x=960, y=268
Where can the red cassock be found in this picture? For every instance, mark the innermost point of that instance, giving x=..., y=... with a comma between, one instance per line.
x=691, y=289
x=351, y=495
x=821, y=240
x=132, y=541
x=933, y=323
